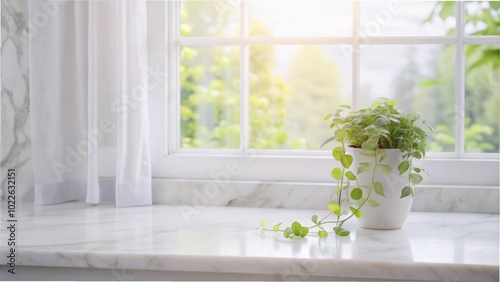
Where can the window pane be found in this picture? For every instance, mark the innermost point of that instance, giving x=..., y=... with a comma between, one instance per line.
x=421, y=76
x=300, y=18
x=209, y=81
x=407, y=18
x=482, y=98
x=210, y=18
x=292, y=88
x=482, y=17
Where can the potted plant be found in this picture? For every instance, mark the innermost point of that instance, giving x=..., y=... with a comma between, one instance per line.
x=376, y=149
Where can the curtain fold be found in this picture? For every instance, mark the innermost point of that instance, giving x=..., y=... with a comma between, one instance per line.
x=89, y=103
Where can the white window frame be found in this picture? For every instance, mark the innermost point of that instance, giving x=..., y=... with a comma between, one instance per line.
x=170, y=161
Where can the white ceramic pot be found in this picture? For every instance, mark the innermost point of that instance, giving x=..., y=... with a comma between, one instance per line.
x=392, y=211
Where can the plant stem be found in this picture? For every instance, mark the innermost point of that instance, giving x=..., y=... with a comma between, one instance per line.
x=369, y=191
x=339, y=197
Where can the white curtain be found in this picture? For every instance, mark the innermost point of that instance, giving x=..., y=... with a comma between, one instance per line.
x=89, y=102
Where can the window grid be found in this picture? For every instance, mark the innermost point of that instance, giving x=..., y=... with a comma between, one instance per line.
x=244, y=41
x=244, y=86
x=459, y=81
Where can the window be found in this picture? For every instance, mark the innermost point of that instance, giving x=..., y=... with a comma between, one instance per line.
x=251, y=81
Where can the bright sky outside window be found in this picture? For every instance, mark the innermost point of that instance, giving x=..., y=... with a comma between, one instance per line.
x=302, y=66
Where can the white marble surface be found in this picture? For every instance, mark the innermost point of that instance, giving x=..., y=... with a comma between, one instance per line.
x=311, y=195
x=431, y=246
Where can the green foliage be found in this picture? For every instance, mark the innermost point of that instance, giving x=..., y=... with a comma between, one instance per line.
x=334, y=208
x=482, y=130
x=210, y=88
x=374, y=129
x=382, y=126
x=314, y=219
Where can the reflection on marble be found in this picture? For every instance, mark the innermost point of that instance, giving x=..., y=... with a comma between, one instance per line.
x=15, y=149
x=432, y=246
x=311, y=195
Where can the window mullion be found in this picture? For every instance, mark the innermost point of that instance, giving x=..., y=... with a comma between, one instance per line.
x=244, y=88
x=173, y=96
x=355, y=54
x=356, y=50
x=216, y=41
x=460, y=81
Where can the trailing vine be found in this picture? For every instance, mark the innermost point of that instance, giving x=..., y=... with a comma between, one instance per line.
x=374, y=129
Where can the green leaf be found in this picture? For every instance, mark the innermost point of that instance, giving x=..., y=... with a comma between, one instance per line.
x=373, y=203
x=314, y=218
x=328, y=117
x=288, y=231
x=387, y=169
x=296, y=228
x=341, y=231
x=356, y=211
x=407, y=191
x=337, y=173
x=337, y=152
x=432, y=82
x=340, y=134
x=263, y=223
x=371, y=143
x=345, y=106
x=379, y=189
x=336, y=229
x=416, y=178
x=356, y=194
x=417, y=170
x=364, y=167
x=350, y=175
x=328, y=141
x=368, y=153
x=322, y=234
x=495, y=5
x=403, y=167
x=383, y=155
x=304, y=231
x=334, y=208
x=448, y=10
x=417, y=154
x=344, y=232
x=381, y=121
x=276, y=227
x=484, y=60
x=346, y=160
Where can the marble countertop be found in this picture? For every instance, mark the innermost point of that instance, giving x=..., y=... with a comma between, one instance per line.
x=431, y=246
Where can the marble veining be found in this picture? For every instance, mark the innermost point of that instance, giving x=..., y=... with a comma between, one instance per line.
x=311, y=195
x=431, y=246
x=15, y=148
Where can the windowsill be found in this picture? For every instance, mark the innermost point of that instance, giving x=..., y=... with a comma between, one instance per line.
x=312, y=195
x=175, y=242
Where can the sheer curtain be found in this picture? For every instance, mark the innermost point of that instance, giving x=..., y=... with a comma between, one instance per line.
x=89, y=102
